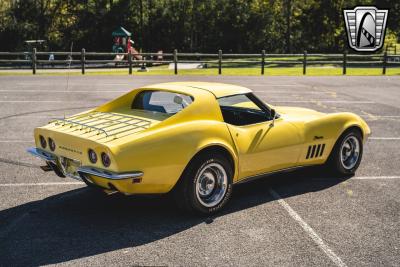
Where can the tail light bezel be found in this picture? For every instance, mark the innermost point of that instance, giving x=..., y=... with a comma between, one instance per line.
x=105, y=159
x=94, y=159
x=52, y=144
x=43, y=142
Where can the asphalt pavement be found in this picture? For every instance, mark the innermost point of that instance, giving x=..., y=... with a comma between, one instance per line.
x=303, y=218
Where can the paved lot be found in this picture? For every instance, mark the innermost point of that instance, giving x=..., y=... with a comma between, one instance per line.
x=307, y=218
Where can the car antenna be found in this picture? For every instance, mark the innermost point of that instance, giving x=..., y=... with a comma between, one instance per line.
x=69, y=68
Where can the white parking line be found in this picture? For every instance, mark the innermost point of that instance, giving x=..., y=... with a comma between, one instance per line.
x=17, y=141
x=66, y=91
x=290, y=92
x=374, y=177
x=277, y=85
x=384, y=138
x=43, y=101
x=32, y=101
x=40, y=184
x=384, y=116
x=311, y=233
x=324, y=101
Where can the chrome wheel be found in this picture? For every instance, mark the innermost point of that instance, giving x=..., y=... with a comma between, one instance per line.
x=211, y=184
x=350, y=152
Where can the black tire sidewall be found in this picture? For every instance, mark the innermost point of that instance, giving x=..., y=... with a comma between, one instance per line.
x=198, y=165
x=338, y=165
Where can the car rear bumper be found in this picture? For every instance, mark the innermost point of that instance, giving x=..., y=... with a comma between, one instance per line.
x=83, y=171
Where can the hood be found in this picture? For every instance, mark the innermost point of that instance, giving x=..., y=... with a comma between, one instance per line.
x=294, y=113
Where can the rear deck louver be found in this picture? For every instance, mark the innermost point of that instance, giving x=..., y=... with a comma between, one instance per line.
x=315, y=151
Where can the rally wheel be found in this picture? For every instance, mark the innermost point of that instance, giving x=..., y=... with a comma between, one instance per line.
x=206, y=184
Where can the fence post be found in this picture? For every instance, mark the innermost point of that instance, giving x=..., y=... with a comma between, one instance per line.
x=219, y=62
x=33, y=61
x=305, y=62
x=262, y=61
x=130, y=61
x=175, y=61
x=83, y=60
x=384, y=63
x=344, y=62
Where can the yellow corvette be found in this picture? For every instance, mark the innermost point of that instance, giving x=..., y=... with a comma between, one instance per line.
x=195, y=140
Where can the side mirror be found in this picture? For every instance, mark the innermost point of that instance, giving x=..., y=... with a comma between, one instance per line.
x=273, y=115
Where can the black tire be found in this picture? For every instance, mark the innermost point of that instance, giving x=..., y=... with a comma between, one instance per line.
x=185, y=192
x=335, y=161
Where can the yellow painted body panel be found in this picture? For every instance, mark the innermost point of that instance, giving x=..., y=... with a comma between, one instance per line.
x=165, y=145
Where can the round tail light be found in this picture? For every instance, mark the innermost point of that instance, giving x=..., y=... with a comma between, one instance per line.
x=92, y=156
x=43, y=142
x=52, y=145
x=105, y=159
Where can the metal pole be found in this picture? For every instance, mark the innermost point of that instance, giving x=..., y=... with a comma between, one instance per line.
x=305, y=63
x=130, y=61
x=219, y=62
x=262, y=62
x=33, y=61
x=384, y=63
x=344, y=62
x=83, y=60
x=175, y=61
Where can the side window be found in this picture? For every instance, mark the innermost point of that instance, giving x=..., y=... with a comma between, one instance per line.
x=161, y=101
x=241, y=110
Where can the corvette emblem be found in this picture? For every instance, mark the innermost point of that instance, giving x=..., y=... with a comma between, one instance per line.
x=365, y=27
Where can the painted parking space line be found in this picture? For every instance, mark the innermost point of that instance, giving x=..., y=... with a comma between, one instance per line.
x=324, y=101
x=45, y=101
x=277, y=85
x=310, y=232
x=379, y=116
x=384, y=138
x=32, y=101
x=16, y=141
x=361, y=178
x=374, y=177
x=41, y=184
x=291, y=92
x=63, y=91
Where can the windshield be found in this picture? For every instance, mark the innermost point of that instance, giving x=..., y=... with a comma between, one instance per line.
x=239, y=101
x=243, y=109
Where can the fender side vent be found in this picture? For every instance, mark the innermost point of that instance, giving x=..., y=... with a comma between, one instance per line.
x=315, y=151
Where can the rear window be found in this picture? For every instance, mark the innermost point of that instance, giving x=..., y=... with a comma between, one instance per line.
x=161, y=101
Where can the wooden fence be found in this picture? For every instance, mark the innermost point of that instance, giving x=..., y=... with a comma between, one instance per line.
x=219, y=60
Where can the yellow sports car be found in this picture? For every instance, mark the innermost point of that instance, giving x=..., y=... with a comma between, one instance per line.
x=195, y=140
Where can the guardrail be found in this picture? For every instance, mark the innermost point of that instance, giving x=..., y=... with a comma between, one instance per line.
x=217, y=60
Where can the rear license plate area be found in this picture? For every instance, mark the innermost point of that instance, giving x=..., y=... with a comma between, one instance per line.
x=70, y=167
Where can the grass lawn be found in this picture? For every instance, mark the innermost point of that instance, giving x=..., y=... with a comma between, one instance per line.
x=291, y=71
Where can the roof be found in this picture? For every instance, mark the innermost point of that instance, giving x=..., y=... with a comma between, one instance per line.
x=217, y=89
x=121, y=31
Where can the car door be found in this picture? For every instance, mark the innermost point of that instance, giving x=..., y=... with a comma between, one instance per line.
x=263, y=148
x=263, y=145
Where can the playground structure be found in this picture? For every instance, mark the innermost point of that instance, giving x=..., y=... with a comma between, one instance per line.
x=123, y=44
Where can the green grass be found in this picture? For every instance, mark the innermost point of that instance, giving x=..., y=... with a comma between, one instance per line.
x=290, y=71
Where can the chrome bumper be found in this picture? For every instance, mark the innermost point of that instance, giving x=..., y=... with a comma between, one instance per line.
x=108, y=174
x=39, y=153
x=84, y=170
